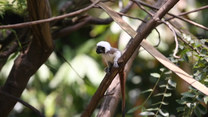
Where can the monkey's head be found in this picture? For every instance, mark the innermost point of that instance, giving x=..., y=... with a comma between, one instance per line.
x=103, y=47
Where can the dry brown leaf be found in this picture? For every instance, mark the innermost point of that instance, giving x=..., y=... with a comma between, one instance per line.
x=154, y=52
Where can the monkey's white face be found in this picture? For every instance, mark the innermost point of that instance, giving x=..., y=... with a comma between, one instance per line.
x=103, y=47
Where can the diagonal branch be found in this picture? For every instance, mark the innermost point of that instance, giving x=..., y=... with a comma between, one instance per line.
x=134, y=43
x=167, y=63
x=110, y=102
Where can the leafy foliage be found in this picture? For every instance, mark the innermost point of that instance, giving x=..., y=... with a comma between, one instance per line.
x=17, y=6
x=167, y=85
x=63, y=87
x=192, y=101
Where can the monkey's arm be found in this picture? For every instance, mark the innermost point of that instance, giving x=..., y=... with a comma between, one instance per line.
x=117, y=55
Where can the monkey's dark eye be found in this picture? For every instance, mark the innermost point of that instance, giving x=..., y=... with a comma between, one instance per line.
x=100, y=49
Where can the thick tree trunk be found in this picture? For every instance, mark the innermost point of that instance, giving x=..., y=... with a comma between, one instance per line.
x=30, y=60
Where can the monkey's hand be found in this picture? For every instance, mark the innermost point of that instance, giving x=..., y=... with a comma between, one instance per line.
x=115, y=64
x=107, y=70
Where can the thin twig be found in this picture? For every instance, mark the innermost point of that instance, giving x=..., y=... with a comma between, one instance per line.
x=136, y=18
x=178, y=17
x=141, y=7
x=159, y=37
x=69, y=64
x=88, y=20
x=21, y=25
x=23, y=103
x=188, y=12
x=175, y=38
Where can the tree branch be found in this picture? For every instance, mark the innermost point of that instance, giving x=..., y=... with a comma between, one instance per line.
x=175, y=16
x=133, y=44
x=192, y=11
x=111, y=101
x=29, y=61
x=10, y=45
x=87, y=20
x=46, y=20
x=23, y=103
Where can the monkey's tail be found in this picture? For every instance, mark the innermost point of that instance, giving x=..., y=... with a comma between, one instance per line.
x=122, y=84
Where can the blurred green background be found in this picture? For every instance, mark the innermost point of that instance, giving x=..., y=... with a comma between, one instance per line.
x=63, y=88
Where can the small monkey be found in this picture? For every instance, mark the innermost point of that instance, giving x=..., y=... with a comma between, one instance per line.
x=111, y=56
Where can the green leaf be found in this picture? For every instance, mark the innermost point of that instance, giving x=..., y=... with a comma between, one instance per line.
x=146, y=91
x=189, y=54
x=181, y=101
x=163, y=94
x=155, y=75
x=162, y=86
x=205, y=99
x=134, y=109
x=188, y=94
x=170, y=87
x=172, y=83
x=167, y=94
x=153, y=109
x=147, y=113
x=187, y=99
x=201, y=109
x=158, y=103
x=164, y=103
x=165, y=114
x=159, y=94
x=200, y=98
x=166, y=86
x=197, y=113
x=13, y=56
x=168, y=73
x=180, y=109
x=162, y=69
x=206, y=80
